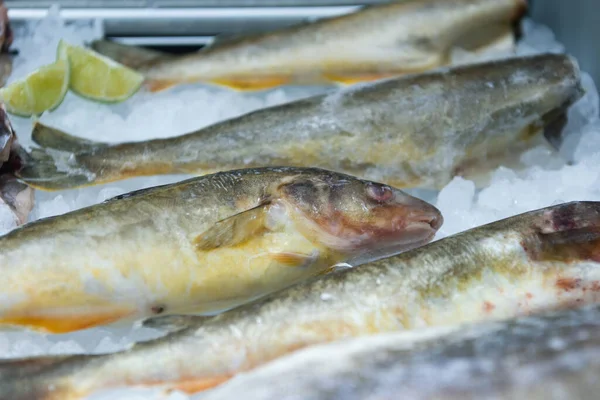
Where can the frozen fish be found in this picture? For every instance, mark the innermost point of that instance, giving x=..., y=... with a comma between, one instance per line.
x=379, y=41
x=417, y=131
x=200, y=246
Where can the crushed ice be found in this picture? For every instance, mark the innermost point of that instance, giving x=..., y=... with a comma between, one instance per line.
x=181, y=110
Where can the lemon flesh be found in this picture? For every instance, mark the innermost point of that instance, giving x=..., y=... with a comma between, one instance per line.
x=96, y=77
x=42, y=90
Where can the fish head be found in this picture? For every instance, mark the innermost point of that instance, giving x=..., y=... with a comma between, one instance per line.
x=362, y=220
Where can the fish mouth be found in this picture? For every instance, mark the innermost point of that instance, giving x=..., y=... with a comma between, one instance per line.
x=407, y=233
x=430, y=221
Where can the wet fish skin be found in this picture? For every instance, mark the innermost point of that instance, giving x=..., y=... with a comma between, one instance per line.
x=418, y=131
x=538, y=261
x=383, y=40
x=15, y=194
x=200, y=246
x=546, y=356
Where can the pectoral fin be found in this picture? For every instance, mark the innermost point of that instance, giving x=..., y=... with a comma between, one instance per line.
x=158, y=85
x=68, y=322
x=295, y=259
x=233, y=230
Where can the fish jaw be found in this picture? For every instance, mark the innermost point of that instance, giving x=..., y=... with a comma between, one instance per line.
x=401, y=224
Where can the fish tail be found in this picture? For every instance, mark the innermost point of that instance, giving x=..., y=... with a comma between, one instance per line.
x=136, y=58
x=56, y=166
x=131, y=56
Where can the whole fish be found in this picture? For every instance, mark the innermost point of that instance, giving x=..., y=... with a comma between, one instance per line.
x=551, y=356
x=541, y=260
x=378, y=41
x=415, y=131
x=200, y=246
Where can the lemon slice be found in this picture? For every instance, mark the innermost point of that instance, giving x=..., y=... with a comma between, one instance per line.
x=96, y=77
x=42, y=90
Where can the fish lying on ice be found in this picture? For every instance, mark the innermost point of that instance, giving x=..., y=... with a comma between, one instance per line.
x=200, y=246
x=6, y=39
x=555, y=355
x=13, y=193
x=16, y=195
x=379, y=41
x=541, y=260
x=414, y=131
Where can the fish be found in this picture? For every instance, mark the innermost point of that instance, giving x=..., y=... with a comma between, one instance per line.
x=411, y=132
x=542, y=260
x=200, y=246
x=375, y=42
x=6, y=40
x=544, y=356
x=14, y=194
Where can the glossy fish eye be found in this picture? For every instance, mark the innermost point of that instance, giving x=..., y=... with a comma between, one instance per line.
x=379, y=193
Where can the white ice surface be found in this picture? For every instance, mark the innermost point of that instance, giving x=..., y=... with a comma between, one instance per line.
x=181, y=110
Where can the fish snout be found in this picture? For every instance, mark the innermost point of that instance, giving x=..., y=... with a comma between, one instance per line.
x=434, y=219
x=420, y=213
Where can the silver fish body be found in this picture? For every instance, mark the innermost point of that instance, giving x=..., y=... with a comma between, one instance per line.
x=383, y=40
x=418, y=131
x=200, y=246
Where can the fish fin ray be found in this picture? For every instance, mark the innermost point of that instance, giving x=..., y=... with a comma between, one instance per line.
x=294, y=259
x=250, y=84
x=134, y=57
x=56, y=139
x=67, y=323
x=233, y=230
x=158, y=85
x=191, y=386
x=40, y=171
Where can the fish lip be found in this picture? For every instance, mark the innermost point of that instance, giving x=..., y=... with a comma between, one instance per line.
x=435, y=221
x=432, y=220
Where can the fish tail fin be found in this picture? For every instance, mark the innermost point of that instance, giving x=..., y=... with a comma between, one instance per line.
x=56, y=139
x=131, y=56
x=56, y=166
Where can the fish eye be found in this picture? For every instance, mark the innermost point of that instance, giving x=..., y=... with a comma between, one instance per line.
x=379, y=193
